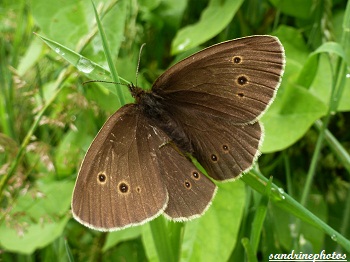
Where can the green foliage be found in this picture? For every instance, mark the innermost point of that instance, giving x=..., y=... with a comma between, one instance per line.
x=48, y=119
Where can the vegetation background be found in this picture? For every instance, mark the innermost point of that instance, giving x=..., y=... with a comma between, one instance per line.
x=48, y=119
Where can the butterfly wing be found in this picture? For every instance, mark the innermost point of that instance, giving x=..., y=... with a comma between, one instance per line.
x=217, y=95
x=190, y=191
x=236, y=79
x=119, y=182
x=223, y=148
x=127, y=173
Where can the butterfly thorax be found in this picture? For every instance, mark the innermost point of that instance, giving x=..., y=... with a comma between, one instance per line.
x=152, y=106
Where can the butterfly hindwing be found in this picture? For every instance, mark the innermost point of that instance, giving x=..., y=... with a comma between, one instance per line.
x=190, y=191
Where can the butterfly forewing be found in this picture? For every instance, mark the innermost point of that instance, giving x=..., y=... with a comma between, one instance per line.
x=119, y=182
x=236, y=79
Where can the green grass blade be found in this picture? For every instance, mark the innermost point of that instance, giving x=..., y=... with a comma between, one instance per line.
x=249, y=250
x=161, y=240
x=258, y=182
x=68, y=251
x=336, y=147
x=108, y=55
x=83, y=64
x=259, y=217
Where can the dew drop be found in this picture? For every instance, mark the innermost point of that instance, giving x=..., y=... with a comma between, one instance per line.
x=57, y=50
x=85, y=65
x=281, y=192
x=293, y=231
x=348, y=75
x=185, y=43
x=334, y=237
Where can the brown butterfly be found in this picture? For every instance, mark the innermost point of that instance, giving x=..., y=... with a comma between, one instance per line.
x=207, y=106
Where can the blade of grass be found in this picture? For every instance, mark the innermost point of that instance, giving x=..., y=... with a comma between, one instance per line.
x=68, y=251
x=108, y=55
x=339, y=151
x=344, y=158
x=259, y=217
x=258, y=182
x=83, y=64
x=161, y=240
x=249, y=250
x=176, y=231
x=337, y=90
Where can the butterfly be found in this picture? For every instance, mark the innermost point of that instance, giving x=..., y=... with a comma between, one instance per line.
x=206, y=107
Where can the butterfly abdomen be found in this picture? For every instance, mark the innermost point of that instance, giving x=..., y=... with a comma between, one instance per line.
x=152, y=107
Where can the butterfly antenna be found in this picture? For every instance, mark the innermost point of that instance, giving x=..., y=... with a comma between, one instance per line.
x=103, y=81
x=138, y=63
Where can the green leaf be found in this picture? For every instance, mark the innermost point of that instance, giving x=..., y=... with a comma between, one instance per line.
x=331, y=48
x=297, y=110
x=113, y=238
x=83, y=64
x=214, y=236
x=65, y=21
x=321, y=86
x=296, y=8
x=38, y=218
x=213, y=20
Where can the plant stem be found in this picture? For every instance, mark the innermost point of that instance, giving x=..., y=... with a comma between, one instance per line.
x=258, y=182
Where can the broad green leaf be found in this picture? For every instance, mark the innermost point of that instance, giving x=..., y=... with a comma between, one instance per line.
x=65, y=21
x=68, y=22
x=114, y=238
x=322, y=85
x=34, y=236
x=298, y=110
x=310, y=68
x=296, y=8
x=213, y=236
x=331, y=48
x=37, y=218
x=213, y=20
x=295, y=108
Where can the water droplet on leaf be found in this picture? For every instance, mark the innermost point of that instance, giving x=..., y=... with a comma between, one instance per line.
x=85, y=66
